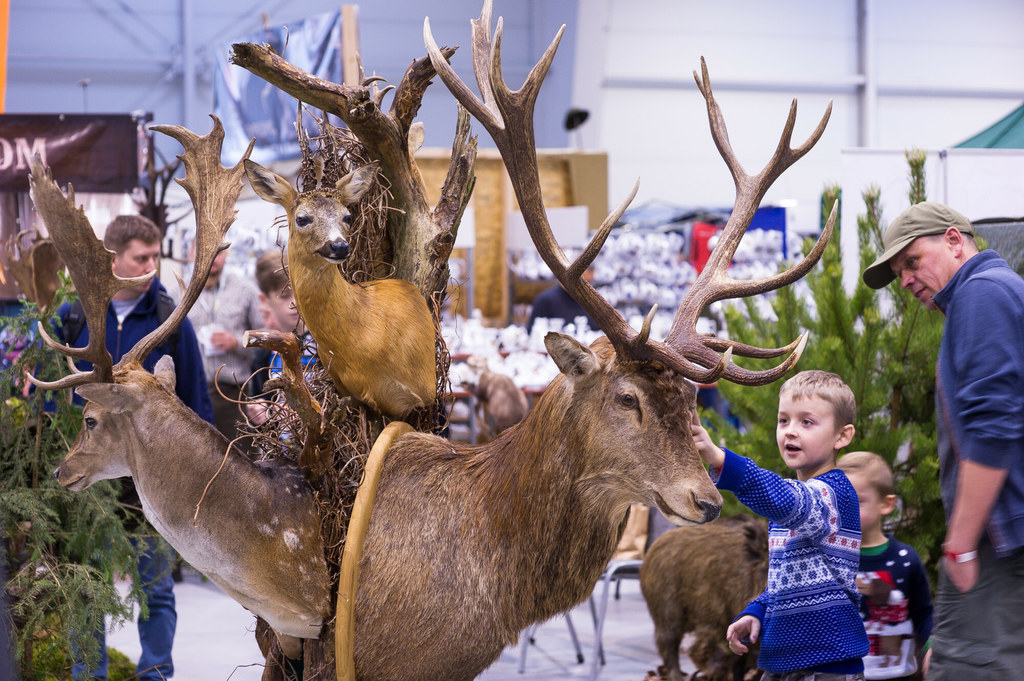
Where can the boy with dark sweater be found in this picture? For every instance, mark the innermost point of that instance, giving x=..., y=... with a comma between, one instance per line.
x=896, y=602
x=808, y=619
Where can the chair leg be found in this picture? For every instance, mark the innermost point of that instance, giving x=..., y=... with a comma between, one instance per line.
x=525, y=639
x=593, y=615
x=598, y=628
x=572, y=635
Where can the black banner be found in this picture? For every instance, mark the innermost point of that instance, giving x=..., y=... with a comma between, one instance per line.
x=95, y=153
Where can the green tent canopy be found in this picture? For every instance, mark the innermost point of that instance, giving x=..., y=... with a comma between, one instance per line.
x=1007, y=133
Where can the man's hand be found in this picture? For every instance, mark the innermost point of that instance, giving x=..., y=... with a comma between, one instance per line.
x=223, y=340
x=709, y=452
x=963, y=575
x=257, y=412
x=742, y=633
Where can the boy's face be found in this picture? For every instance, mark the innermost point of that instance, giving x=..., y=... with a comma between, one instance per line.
x=873, y=505
x=808, y=436
x=282, y=306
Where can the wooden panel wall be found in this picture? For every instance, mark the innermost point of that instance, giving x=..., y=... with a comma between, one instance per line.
x=568, y=178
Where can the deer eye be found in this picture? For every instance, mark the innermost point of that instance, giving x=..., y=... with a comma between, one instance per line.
x=303, y=221
x=347, y=219
x=90, y=422
x=628, y=401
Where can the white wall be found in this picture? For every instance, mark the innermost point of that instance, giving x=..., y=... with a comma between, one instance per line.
x=936, y=73
x=980, y=183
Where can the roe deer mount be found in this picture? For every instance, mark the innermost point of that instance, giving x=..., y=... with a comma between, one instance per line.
x=375, y=339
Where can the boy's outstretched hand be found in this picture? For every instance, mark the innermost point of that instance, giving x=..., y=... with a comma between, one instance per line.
x=709, y=452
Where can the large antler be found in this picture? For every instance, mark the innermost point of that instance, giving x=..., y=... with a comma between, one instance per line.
x=35, y=268
x=213, y=190
x=90, y=265
x=714, y=283
x=508, y=117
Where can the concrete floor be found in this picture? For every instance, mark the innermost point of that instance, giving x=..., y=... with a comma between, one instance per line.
x=215, y=641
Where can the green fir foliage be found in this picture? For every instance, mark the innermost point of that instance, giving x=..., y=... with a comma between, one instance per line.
x=882, y=343
x=62, y=549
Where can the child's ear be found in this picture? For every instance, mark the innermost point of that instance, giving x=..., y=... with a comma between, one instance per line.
x=845, y=436
x=888, y=504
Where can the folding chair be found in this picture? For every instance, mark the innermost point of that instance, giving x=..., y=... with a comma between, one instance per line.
x=527, y=638
x=617, y=571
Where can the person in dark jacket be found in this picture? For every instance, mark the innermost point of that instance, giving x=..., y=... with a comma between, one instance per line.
x=896, y=600
x=556, y=303
x=132, y=314
x=930, y=249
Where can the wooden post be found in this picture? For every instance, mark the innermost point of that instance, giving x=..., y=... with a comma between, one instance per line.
x=350, y=45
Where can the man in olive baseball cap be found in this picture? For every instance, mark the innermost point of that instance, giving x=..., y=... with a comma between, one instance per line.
x=921, y=219
x=930, y=249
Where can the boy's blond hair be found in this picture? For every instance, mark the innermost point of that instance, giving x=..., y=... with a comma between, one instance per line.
x=271, y=276
x=826, y=386
x=872, y=468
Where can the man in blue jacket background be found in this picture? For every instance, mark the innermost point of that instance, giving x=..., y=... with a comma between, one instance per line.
x=132, y=314
x=930, y=249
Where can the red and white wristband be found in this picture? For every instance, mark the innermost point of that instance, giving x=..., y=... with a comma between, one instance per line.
x=965, y=557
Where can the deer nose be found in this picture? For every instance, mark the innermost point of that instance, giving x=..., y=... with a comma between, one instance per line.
x=335, y=251
x=56, y=473
x=709, y=509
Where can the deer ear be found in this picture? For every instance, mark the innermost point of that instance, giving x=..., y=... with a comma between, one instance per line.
x=164, y=372
x=268, y=185
x=354, y=185
x=114, y=397
x=574, y=359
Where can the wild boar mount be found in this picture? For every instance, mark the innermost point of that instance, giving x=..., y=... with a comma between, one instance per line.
x=449, y=575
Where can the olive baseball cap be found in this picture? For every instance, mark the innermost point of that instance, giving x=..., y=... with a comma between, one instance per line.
x=921, y=219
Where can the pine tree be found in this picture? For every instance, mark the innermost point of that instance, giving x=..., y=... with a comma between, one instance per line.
x=62, y=550
x=882, y=343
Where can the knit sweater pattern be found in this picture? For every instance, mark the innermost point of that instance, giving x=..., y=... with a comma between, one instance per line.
x=809, y=611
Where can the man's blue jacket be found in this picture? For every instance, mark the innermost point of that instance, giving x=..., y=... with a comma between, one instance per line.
x=190, y=379
x=980, y=386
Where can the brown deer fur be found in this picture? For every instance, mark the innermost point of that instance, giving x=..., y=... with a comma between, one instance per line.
x=250, y=512
x=697, y=579
x=467, y=545
x=498, y=395
x=502, y=399
x=470, y=544
x=376, y=339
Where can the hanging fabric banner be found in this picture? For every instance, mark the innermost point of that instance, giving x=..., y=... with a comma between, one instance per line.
x=94, y=152
x=251, y=107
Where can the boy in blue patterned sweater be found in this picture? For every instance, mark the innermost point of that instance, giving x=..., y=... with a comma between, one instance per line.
x=808, y=618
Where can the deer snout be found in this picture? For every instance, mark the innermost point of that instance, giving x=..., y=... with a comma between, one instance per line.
x=72, y=482
x=335, y=251
x=708, y=508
